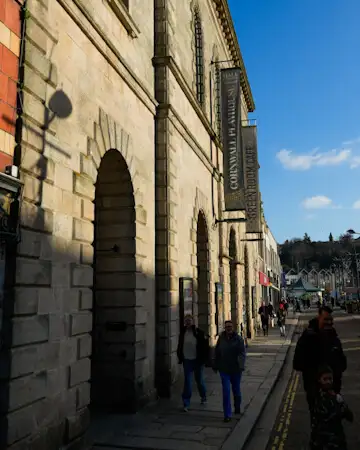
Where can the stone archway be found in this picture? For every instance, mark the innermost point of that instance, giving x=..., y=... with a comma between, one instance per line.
x=203, y=274
x=233, y=279
x=247, y=309
x=114, y=294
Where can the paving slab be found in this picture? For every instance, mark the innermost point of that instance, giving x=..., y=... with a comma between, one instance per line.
x=164, y=426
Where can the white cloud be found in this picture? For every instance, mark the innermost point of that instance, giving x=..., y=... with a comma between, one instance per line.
x=317, y=202
x=355, y=162
x=310, y=216
x=294, y=161
x=356, y=205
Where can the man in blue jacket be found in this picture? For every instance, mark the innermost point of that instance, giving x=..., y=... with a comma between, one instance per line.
x=230, y=357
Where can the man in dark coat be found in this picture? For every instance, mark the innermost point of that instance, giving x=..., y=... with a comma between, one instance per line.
x=192, y=353
x=318, y=346
x=264, y=315
x=230, y=358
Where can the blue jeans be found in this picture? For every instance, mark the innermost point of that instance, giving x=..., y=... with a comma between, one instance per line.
x=190, y=366
x=233, y=380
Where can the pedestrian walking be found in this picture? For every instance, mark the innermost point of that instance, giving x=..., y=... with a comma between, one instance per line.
x=230, y=358
x=281, y=319
x=264, y=315
x=192, y=353
x=319, y=345
x=271, y=314
x=330, y=410
x=332, y=302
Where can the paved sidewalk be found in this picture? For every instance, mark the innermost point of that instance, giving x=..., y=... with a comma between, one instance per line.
x=164, y=426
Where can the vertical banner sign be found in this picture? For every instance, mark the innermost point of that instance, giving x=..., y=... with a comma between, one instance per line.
x=251, y=169
x=234, y=185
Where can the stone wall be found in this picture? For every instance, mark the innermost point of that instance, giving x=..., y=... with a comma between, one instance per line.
x=88, y=88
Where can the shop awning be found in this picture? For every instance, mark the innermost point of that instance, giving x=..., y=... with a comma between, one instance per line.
x=274, y=287
x=303, y=285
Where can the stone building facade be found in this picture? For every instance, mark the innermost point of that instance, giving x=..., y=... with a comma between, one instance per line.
x=119, y=150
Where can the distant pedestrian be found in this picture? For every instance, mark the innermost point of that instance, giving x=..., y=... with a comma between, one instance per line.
x=264, y=315
x=271, y=314
x=230, y=358
x=329, y=410
x=286, y=306
x=192, y=353
x=319, y=345
x=281, y=318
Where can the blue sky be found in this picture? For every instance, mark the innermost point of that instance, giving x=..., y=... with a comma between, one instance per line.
x=303, y=63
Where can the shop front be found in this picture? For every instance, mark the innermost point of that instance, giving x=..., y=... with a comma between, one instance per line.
x=264, y=282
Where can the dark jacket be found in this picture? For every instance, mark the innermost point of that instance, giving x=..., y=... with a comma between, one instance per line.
x=327, y=430
x=202, y=345
x=264, y=314
x=230, y=354
x=281, y=318
x=270, y=310
x=315, y=349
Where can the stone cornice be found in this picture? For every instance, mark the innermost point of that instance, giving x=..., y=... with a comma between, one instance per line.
x=224, y=16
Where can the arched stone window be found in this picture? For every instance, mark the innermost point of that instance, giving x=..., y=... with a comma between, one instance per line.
x=199, y=57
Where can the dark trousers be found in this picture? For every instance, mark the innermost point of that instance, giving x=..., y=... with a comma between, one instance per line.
x=193, y=367
x=265, y=325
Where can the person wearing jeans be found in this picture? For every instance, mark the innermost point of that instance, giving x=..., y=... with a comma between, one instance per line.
x=192, y=353
x=230, y=358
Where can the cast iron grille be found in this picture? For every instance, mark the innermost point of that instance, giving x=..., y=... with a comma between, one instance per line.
x=217, y=101
x=199, y=59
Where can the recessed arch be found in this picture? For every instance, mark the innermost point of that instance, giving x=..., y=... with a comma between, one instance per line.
x=203, y=273
x=246, y=305
x=114, y=293
x=233, y=278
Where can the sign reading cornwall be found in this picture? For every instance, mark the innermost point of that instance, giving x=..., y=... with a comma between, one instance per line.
x=251, y=169
x=234, y=186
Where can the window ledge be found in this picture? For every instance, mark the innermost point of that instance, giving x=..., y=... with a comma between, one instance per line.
x=125, y=18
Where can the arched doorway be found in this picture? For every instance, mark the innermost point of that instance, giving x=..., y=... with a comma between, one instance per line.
x=203, y=277
x=246, y=308
x=233, y=279
x=114, y=294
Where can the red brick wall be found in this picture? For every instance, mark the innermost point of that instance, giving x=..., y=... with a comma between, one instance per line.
x=10, y=28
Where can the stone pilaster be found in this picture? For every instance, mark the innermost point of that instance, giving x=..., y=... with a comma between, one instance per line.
x=167, y=288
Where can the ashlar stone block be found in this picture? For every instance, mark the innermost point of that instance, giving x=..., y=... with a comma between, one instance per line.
x=33, y=272
x=77, y=424
x=80, y=372
x=82, y=276
x=81, y=323
x=26, y=390
x=29, y=330
x=83, y=230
